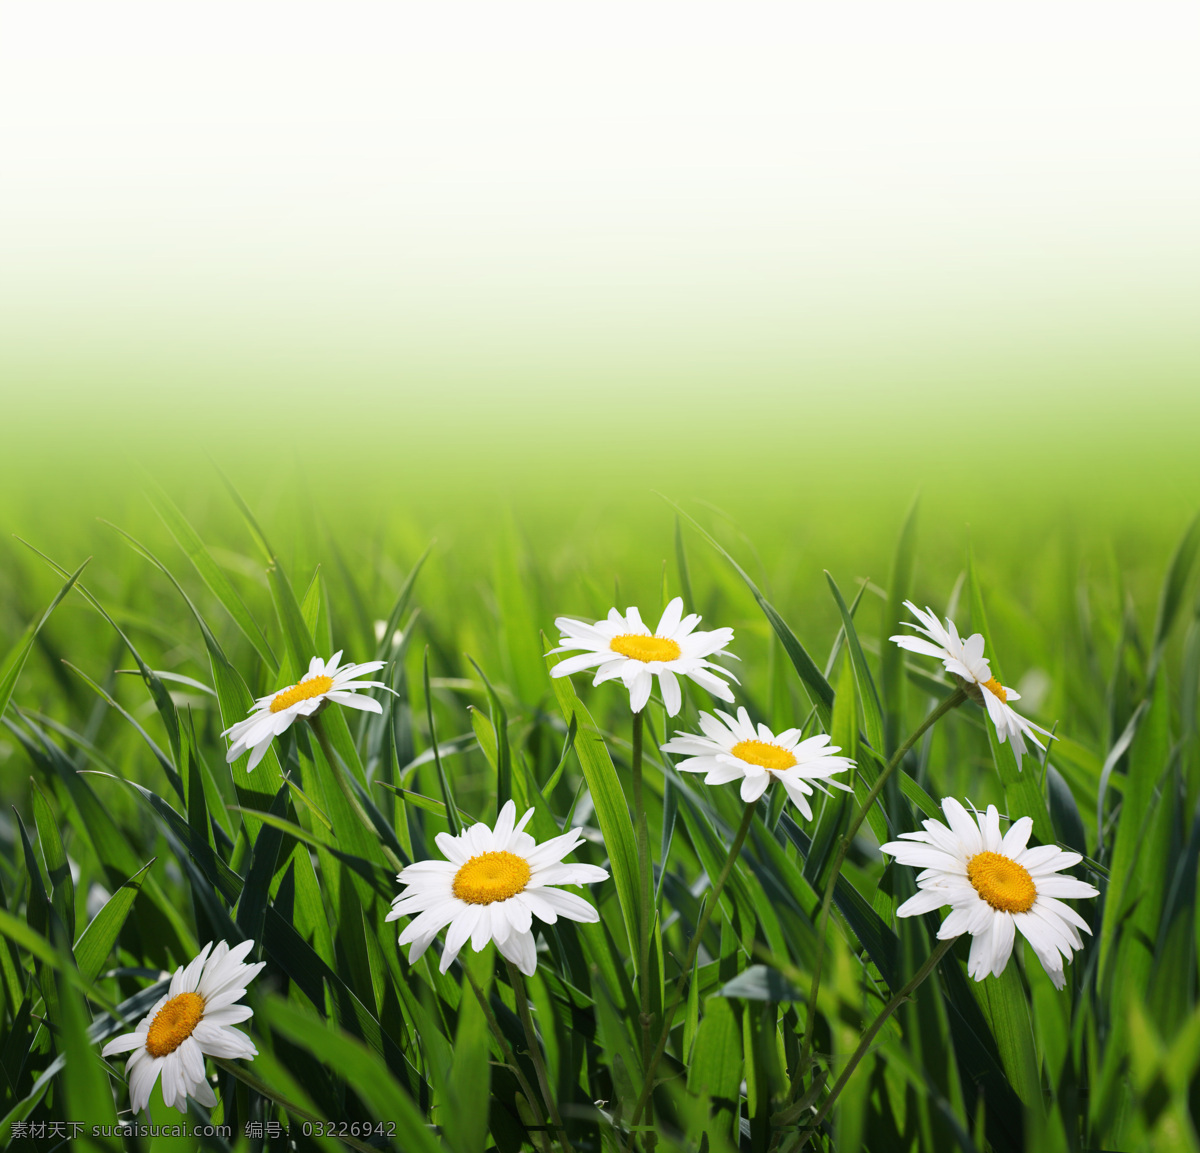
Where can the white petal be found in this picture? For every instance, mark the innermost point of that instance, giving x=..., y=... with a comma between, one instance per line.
x=1003, y=931
x=964, y=827
x=669, y=621
x=569, y=905
x=457, y=934
x=521, y=950
x=639, y=691
x=753, y=786
x=926, y=901
x=1017, y=837
x=671, y=692
x=124, y=1043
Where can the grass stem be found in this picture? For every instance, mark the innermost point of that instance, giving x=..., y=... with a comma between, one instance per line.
x=669, y=1017
x=521, y=996
x=955, y=699
x=903, y=995
x=335, y=765
x=509, y=1056
x=645, y=889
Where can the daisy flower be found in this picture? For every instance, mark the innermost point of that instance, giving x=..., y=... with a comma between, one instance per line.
x=995, y=886
x=733, y=748
x=490, y=889
x=272, y=715
x=965, y=660
x=624, y=647
x=194, y=1019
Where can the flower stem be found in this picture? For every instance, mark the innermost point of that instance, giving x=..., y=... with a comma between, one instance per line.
x=645, y=889
x=335, y=765
x=506, y=1051
x=955, y=699
x=714, y=900
x=521, y=996
x=869, y=1036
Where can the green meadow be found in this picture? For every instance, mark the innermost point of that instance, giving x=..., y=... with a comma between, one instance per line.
x=161, y=567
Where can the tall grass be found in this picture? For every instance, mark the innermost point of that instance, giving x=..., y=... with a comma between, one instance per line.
x=132, y=842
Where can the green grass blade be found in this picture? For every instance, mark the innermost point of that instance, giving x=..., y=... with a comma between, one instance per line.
x=804, y=665
x=716, y=1068
x=1174, y=587
x=891, y=657
x=255, y=895
x=158, y=691
x=85, y=1083
x=361, y=1067
x=443, y=780
x=10, y=671
x=58, y=872
x=868, y=695
x=210, y=572
x=612, y=809
x=504, y=774
x=96, y=941
x=1022, y=794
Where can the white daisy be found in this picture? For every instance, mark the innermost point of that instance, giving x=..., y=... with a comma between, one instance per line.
x=324, y=681
x=494, y=883
x=732, y=747
x=996, y=886
x=194, y=1019
x=965, y=660
x=624, y=647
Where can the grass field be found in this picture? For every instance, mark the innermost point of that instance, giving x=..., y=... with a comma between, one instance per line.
x=131, y=843
x=439, y=338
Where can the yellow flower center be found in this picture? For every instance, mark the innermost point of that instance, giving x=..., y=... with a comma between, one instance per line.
x=996, y=688
x=1001, y=882
x=174, y=1023
x=762, y=753
x=637, y=647
x=304, y=691
x=491, y=877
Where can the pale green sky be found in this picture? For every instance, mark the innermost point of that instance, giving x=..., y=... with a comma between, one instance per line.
x=748, y=232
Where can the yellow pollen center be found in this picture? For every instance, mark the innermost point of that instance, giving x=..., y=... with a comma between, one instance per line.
x=1001, y=882
x=642, y=648
x=762, y=753
x=304, y=691
x=996, y=688
x=491, y=877
x=174, y=1023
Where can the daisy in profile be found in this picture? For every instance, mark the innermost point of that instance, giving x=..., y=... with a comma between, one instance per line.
x=194, y=1019
x=494, y=882
x=624, y=647
x=733, y=749
x=272, y=715
x=965, y=660
x=995, y=886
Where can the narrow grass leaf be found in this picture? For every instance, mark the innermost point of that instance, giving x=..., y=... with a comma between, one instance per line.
x=1023, y=797
x=210, y=572
x=98, y=939
x=868, y=695
x=716, y=1068
x=14, y=662
x=612, y=809
x=362, y=1068
x=58, y=872
x=804, y=665
x=85, y=1083
x=1174, y=587
x=504, y=777
x=451, y=809
x=891, y=657
x=252, y=904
